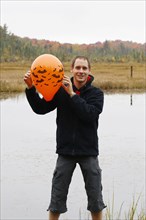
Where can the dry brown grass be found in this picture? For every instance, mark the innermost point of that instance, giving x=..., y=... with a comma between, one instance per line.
x=110, y=77
x=117, y=77
x=11, y=78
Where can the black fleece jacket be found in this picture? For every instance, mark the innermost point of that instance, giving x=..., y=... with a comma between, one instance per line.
x=77, y=118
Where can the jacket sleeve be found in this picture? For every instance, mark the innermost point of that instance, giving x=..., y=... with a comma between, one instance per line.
x=39, y=105
x=90, y=108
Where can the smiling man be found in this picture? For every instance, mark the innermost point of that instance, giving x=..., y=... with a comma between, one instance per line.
x=79, y=105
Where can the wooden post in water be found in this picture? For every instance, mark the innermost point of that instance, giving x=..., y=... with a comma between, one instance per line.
x=131, y=100
x=131, y=71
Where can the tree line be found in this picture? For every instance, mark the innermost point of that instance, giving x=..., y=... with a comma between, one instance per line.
x=14, y=49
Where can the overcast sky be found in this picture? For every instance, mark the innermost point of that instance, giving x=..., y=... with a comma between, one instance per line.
x=76, y=21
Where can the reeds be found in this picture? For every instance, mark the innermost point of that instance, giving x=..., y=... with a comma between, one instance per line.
x=132, y=214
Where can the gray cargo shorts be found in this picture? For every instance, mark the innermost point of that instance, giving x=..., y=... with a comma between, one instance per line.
x=62, y=177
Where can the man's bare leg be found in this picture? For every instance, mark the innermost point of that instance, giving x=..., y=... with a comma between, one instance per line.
x=53, y=215
x=96, y=215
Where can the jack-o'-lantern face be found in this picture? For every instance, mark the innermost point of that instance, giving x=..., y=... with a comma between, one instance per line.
x=47, y=73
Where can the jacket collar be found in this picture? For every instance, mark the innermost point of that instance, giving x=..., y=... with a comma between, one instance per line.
x=88, y=83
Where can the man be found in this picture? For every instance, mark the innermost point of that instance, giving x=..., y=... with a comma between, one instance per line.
x=78, y=106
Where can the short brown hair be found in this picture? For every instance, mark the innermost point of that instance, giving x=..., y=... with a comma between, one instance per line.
x=80, y=57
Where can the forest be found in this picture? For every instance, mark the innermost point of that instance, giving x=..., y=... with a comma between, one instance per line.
x=17, y=49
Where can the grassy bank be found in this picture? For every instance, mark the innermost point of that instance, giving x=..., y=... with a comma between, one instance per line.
x=110, y=77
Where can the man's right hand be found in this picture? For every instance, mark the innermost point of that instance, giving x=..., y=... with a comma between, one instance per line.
x=28, y=80
x=67, y=85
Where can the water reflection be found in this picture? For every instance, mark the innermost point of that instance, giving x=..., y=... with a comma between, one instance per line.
x=28, y=158
x=131, y=100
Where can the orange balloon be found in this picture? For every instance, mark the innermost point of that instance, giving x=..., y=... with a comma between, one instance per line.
x=47, y=73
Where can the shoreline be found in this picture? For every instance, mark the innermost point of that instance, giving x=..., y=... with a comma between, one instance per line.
x=7, y=95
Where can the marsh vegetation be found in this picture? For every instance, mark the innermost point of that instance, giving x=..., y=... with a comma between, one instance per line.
x=110, y=77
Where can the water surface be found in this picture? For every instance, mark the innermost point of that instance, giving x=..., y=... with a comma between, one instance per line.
x=28, y=158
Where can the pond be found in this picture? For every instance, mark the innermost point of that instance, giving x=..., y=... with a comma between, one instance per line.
x=28, y=159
